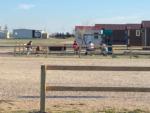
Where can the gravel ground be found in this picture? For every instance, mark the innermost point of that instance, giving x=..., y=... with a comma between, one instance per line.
x=20, y=82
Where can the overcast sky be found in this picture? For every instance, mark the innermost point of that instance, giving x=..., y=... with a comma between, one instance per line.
x=63, y=15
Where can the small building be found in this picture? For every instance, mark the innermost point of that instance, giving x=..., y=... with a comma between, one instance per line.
x=146, y=33
x=122, y=34
x=118, y=32
x=45, y=35
x=4, y=34
x=134, y=34
x=27, y=33
x=86, y=34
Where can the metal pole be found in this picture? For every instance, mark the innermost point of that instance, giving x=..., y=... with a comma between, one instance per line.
x=43, y=90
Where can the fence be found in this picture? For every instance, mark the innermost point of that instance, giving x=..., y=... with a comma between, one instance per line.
x=116, y=50
x=132, y=51
x=45, y=88
x=21, y=49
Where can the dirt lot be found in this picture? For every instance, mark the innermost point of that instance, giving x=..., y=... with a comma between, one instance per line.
x=20, y=82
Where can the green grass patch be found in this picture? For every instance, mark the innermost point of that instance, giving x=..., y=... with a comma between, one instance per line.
x=45, y=42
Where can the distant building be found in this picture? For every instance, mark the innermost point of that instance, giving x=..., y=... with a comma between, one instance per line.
x=27, y=33
x=118, y=32
x=146, y=33
x=45, y=35
x=134, y=34
x=85, y=34
x=4, y=34
x=131, y=34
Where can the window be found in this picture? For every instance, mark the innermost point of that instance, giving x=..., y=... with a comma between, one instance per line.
x=138, y=32
x=96, y=35
x=101, y=31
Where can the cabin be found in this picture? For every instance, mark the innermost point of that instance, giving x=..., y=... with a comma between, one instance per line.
x=146, y=33
x=134, y=34
x=27, y=33
x=118, y=36
x=122, y=34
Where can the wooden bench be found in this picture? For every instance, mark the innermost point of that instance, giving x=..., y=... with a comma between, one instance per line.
x=57, y=48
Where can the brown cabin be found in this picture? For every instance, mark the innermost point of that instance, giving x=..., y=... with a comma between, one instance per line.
x=146, y=33
x=131, y=34
x=134, y=34
x=118, y=36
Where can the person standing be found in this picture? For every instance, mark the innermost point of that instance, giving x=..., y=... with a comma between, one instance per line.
x=29, y=47
x=75, y=47
x=104, y=49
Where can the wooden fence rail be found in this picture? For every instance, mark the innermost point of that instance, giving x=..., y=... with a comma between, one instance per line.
x=45, y=88
x=104, y=89
x=131, y=51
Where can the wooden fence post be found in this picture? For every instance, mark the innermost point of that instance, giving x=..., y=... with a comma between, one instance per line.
x=43, y=89
x=19, y=50
x=79, y=51
x=23, y=48
x=47, y=51
x=15, y=51
x=112, y=54
x=131, y=53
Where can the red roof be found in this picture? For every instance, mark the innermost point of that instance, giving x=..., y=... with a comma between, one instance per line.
x=87, y=27
x=84, y=27
x=112, y=26
x=133, y=26
x=146, y=24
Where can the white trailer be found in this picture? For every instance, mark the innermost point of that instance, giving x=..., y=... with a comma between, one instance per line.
x=27, y=33
x=85, y=34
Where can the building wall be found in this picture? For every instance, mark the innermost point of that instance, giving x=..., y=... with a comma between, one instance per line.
x=118, y=37
x=2, y=35
x=22, y=33
x=37, y=34
x=134, y=40
x=148, y=37
x=84, y=36
x=27, y=33
x=45, y=35
x=121, y=36
x=143, y=37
